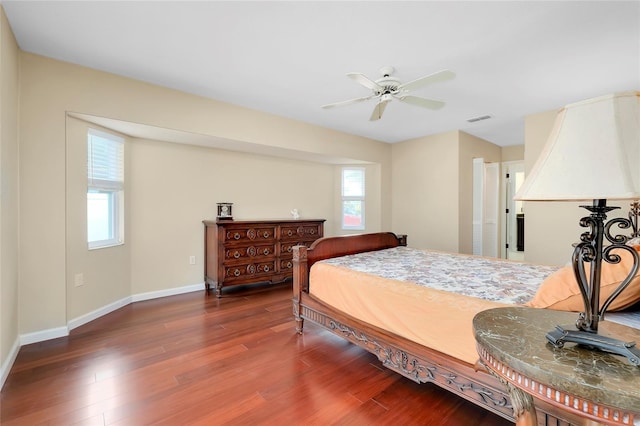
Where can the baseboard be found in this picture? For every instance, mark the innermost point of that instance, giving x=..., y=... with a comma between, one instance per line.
x=8, y=363
x=168, y=292
x=41, y=336
x=83, y=319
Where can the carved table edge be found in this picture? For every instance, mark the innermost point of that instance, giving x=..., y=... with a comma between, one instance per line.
x=572, y=403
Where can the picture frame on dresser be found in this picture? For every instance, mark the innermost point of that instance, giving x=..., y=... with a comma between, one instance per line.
x=240, y=252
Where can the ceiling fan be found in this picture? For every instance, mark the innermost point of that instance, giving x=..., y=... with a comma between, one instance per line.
x=388, y=88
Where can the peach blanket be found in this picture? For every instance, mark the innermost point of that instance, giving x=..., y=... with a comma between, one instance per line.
x=433, y=318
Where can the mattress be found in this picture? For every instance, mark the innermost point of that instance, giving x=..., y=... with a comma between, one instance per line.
x=427, y=297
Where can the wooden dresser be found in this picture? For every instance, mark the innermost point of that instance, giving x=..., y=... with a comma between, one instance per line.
x=251, y=251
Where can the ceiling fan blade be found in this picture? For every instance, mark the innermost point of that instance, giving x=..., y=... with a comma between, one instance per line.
x=428, y=79
x=364, y=80
x=348, y=102
x=378, y=110
x=422, y=102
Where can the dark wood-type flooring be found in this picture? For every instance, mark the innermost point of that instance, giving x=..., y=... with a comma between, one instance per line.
x=196, y=359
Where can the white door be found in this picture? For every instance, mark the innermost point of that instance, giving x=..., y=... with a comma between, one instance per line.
x=478, y=190
x=486, y=201
x=491, y=208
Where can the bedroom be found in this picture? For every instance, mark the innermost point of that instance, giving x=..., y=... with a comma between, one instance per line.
x=37, y=306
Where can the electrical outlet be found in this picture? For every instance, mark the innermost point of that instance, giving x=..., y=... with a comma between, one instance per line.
x=192, y=260
x=78, y=280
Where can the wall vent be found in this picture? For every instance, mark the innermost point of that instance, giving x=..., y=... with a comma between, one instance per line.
x=482, y=117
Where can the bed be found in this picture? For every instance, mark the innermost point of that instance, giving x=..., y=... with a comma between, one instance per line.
x=433, y=351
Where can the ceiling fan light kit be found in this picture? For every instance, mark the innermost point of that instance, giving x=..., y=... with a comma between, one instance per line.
x=387, y=88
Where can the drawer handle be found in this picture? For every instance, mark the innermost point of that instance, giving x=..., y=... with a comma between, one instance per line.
x=236, y=272
x=312, y=232
x=289, y=249
x=236, y=254
x=266, y=268
x=236, y=236
x=266, y=251
x=289, y=265
x=290, y=232
x=266, y=234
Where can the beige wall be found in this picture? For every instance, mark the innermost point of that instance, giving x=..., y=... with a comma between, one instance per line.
x=50, y=89
x=373, y=200
x=432, y=189
x=174, y=187
x=424, y=187
x=513, y=153
x=9, y=195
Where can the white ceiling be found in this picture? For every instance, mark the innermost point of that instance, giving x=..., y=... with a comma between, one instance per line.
x=289, y=58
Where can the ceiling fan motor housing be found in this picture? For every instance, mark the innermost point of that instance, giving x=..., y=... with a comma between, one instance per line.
x=388, y=84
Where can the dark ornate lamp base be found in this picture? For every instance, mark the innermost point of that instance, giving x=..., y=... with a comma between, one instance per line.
x=561, y=335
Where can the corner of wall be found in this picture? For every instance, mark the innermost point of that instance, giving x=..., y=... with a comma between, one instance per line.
x=10, y=200
x=512, y=153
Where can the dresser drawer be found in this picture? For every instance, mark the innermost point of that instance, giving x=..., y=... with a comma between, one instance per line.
x=286, y=248
x=300, y=231
x=286, y=265
x=249, y=252
x=248, y=270
x=248, y=234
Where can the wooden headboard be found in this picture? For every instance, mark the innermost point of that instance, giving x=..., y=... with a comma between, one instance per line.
x=328, y=247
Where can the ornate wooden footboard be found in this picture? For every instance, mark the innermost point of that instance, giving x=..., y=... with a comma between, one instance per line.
x=417, y=362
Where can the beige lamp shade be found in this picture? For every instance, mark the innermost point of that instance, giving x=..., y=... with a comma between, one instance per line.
x=593, y=152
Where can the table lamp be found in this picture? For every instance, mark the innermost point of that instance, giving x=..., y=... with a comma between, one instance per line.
x=593, y=153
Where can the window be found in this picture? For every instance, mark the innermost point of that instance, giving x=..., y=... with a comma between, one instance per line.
x=105, y=190
x=353, y=198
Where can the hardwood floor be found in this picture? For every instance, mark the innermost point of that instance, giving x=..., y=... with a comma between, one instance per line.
x=197, y=359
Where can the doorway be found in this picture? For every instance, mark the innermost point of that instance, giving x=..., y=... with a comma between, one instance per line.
x=514, y=237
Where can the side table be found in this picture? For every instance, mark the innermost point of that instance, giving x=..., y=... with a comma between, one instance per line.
x=591, y=385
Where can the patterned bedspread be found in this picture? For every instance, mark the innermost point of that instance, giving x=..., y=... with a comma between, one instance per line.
x=485, y=278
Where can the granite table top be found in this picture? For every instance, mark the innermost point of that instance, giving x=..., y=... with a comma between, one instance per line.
x=516, y=336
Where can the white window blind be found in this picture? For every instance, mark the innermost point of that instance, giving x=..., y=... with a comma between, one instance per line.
x=105, y=161
x=353, y=183
x=105, y=190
